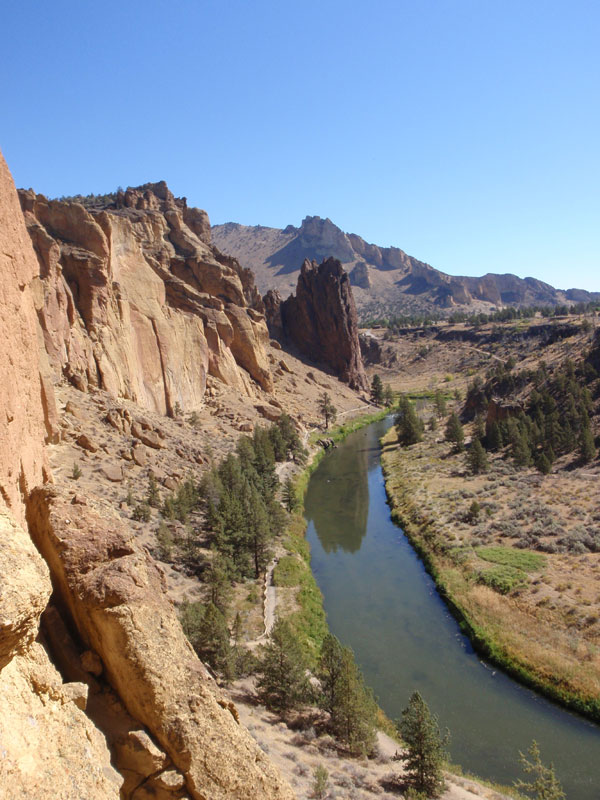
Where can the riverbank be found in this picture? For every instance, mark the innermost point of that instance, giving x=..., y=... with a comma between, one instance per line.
x=299, y=597
x=541, y=642
x=293, y=574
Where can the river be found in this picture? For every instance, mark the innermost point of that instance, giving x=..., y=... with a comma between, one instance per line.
x=381, y=602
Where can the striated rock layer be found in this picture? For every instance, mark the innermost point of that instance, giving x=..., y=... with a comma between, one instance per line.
x=320, y=320
x=133, y=298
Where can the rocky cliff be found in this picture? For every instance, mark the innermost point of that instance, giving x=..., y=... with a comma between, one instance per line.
x=101, y=696
x=386, y=280
x=320, y=320
x=133, y=298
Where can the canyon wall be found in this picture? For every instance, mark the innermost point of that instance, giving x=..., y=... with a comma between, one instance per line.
x=132, y=298
x=101, y=696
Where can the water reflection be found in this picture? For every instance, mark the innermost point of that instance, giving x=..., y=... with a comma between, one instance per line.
x=380, y=601
x=339, y=501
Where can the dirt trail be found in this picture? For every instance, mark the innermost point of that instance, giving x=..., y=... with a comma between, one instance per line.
x=269, y=606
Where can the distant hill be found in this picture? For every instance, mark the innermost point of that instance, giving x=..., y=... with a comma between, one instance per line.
x=385, y=279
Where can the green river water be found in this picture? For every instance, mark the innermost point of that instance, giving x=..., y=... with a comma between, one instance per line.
x=381, y=602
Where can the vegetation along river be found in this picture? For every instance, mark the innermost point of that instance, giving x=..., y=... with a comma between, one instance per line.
x=381, y=602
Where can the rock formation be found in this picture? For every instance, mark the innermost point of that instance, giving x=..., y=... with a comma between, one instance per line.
x=133, y=298
x=320, y=320
x=386, y=279
x=45, y=737
x=101, y=696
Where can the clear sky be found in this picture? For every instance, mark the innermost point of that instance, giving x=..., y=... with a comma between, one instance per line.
x=466, y=132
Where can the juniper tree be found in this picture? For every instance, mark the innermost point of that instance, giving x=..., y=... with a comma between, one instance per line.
x=587, y=446
x=477, y=458
x=455, y=433
x=327, y=408
x=408, y=425
x=425, y=747
x=153, y=495
x=377, y=390
x=494, y=437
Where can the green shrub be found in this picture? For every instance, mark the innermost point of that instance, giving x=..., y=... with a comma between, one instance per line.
x=519, y=559
x=502, y=578
x=288, y=571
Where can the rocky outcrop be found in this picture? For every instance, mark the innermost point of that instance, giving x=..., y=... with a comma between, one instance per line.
x=101, y=696
x=370, y=349
x=320, y=320
x=114, y=595
x=133, y=298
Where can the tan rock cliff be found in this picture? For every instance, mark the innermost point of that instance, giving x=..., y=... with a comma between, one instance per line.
x=45, y=736
x=115, y=595
x=134, y=299
x=100, y=694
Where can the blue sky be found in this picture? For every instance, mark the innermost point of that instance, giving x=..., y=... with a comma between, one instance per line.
x=465, y=132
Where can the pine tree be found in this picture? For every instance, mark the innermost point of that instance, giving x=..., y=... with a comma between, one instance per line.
x=388, y=395
x=494, y=437
x=290, y=499
x=377, y=390
x=209, y=636
x=330, y=667
x=327, y=408
x=218, y=581
x=587, y=447
x=408, y=425
x=521, y=450
x=282, y=683
x=477, y=458
x=350, y=703
x=454, y=432
x=425, y=747
x=544, y=782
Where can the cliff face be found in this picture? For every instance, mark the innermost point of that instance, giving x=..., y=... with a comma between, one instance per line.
x=320, y=320
x=134, y=299
x=386, y=279
x=101, y=695
x=45, y=737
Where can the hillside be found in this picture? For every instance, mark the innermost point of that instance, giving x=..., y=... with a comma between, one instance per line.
x=513, y=536
x=386, y=280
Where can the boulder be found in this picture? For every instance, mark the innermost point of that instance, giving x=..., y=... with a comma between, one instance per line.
x=116, y=598
x=112, y=472
x=86, y=443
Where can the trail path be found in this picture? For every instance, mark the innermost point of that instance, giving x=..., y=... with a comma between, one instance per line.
x=269, y=605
